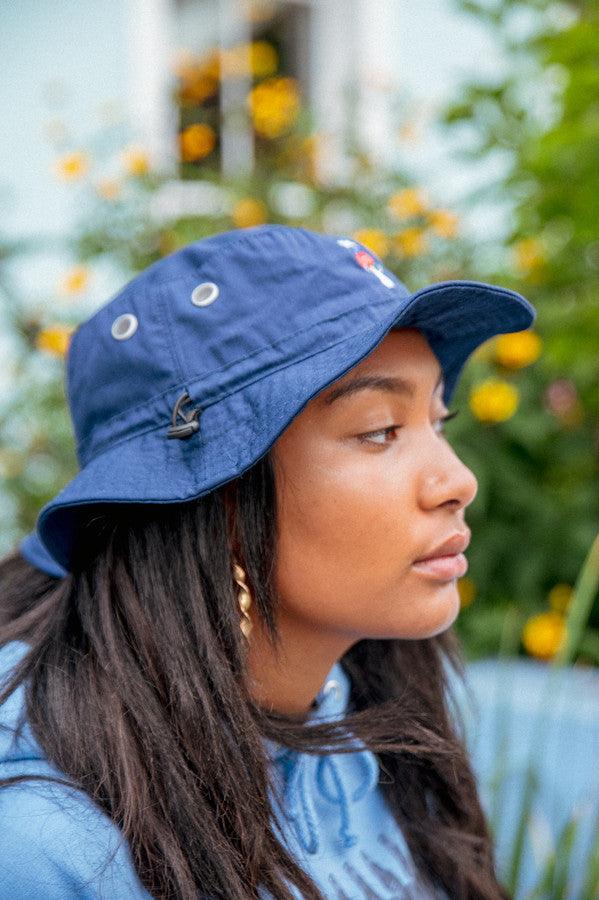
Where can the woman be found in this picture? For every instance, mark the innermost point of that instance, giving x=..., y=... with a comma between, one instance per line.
x=259, y=423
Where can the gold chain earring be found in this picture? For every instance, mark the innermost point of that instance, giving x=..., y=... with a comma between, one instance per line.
x=244, y=598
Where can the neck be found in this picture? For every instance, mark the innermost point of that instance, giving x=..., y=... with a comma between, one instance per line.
x=288, y=681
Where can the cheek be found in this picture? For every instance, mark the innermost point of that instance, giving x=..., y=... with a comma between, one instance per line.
x=344, y=527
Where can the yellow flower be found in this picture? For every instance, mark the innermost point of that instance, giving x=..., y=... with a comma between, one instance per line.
x=248, y=212
x=560, y=596
x=258, y=59
x=197, y=141
x=373, y=238
x=517, y=349
x=494, y=400
x=135, y=161
x=543, y=634
x=264, y=59
x=274, y=106
x=55, y=339
x=410, y=242
x=466, y=590
x=108, y=188
x=71, y=166
x=443, y=222
x=407, y=202
x=528, y=254
x=198, y=77
x=75, y=281
x=198, y=89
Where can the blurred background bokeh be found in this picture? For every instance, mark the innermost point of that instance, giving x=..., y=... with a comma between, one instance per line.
x=456, y=138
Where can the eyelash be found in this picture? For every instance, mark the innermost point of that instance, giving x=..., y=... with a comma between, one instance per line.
x=364, y=437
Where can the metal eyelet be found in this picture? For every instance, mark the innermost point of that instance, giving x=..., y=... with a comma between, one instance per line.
x=204, y=294
x=124, y=327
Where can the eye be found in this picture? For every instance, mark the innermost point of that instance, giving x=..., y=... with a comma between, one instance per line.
x=446, y=418
x=367, y=437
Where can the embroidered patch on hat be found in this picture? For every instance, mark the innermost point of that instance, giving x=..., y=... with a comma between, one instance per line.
x=369, y=263
x=366, y=261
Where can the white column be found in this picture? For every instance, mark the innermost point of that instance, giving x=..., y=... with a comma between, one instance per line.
x=377, y=47
x=236, y=132
x=153, y=114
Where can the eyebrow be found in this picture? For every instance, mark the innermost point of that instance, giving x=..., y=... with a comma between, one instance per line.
x=391, y=384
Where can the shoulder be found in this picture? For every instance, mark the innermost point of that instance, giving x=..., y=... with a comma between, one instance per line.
x=55, y=843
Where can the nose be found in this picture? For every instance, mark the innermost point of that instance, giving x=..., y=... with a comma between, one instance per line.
x=446, y=480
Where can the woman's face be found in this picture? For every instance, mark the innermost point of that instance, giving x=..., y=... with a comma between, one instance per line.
x=355, y=512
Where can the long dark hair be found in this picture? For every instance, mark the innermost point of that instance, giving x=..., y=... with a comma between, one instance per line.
x=136, y=689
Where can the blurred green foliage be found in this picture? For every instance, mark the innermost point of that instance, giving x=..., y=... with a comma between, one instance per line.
x=538, y=507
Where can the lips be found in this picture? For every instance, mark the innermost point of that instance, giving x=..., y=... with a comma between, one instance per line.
x=457, y=543
x=447, y=560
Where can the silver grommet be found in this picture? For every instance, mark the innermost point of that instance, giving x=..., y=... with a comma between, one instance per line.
x=204, y=294
x=124, y=327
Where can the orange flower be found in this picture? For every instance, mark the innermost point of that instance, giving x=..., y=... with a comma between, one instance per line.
x=543, y=634
x=494, y=400
x=135, y=161
x=407, y=202
x=517, y=349
x=373, y=238
x=443, y=222
x=55, y=339
x=528, y=254
x=264, y=59
x=466, y=590
x=248, y=212
x=108, y=188
x=197, y=141
x=274, y=106
x=410, y=242
x=75, y=281
x=72, y=166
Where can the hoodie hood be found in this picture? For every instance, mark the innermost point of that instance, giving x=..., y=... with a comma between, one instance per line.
x=16, y=739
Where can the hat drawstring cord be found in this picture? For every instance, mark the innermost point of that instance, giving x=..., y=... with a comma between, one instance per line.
x=190, y=422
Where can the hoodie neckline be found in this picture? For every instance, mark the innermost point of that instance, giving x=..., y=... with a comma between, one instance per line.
x=341, y=779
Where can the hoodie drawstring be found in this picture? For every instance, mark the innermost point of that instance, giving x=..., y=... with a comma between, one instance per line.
x=309, y=770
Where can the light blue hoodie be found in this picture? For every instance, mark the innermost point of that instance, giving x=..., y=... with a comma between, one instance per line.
x=329, y=810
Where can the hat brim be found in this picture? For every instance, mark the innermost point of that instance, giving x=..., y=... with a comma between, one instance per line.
x=454, y=316
x=32, y=550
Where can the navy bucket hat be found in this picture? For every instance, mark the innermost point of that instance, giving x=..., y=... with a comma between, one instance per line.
x=190, y=373
x=32, y=550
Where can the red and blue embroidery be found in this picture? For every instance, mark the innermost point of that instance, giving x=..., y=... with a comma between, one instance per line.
x=367, y=262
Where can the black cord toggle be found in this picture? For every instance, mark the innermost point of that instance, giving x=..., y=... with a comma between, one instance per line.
x=190, y=423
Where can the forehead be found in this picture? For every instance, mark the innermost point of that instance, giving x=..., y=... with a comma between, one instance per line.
x=402, y=362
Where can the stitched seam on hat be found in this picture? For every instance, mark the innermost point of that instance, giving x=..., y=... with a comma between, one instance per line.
x=108, y=444
x=167, y=323
x=183, y=384
x=195, y=375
